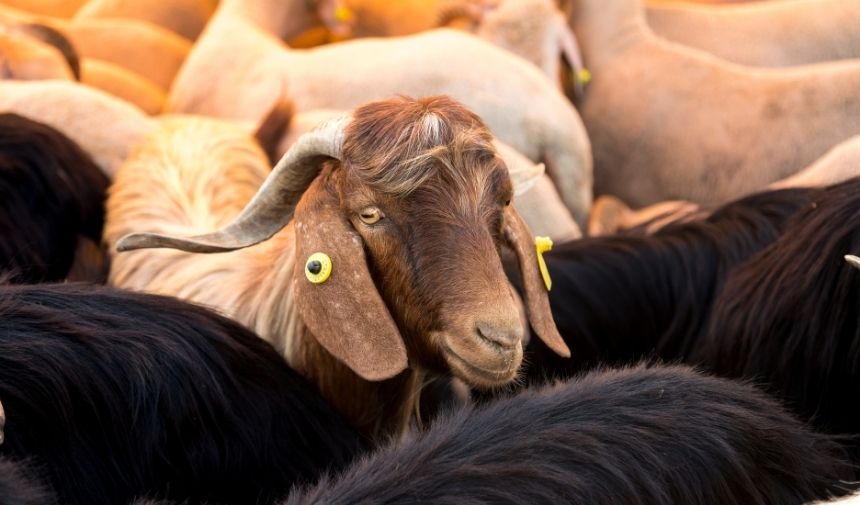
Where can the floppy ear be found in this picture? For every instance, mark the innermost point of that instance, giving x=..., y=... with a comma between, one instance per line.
x=344, y=312
x=537, y=302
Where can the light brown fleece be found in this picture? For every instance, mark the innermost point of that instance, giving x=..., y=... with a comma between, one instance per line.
x=672, y=123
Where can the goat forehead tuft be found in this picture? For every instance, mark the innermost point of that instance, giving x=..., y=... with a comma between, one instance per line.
x=431, y=128
x=395, y=146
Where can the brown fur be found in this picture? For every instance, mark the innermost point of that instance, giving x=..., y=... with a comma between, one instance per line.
x=273, y=128
x=424, y=284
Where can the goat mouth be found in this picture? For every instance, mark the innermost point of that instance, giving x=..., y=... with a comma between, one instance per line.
x=480, y=377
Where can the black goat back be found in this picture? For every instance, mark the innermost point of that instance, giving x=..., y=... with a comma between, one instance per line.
x=790, y=316
x=636, y=436
x=19, y=485
x=51, y=193
x=118, y=395
x=617, y=299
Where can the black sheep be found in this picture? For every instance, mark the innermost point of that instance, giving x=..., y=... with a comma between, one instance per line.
x=758, y=290
x=117, y=395
x=51, y=200
x=790, y=316
x=20, y=486
x=617, y=299
x=631, y=436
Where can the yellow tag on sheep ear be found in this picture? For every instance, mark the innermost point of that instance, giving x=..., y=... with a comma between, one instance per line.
x=342, y=14
x=583, y=76
x=543, y=244
x=318, y=268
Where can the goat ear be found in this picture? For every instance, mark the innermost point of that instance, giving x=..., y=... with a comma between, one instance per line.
x=537, y=302
x=344, y=312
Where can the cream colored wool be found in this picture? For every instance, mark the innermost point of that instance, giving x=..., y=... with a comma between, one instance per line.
x=672, y=123
x=768, y=34
x=105, y=127
x=837, y=165
x=183, y=17
x=237, y=71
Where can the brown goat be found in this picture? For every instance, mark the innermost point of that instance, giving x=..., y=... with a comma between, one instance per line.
x=413, y=213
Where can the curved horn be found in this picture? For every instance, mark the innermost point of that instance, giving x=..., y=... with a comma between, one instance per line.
x=852, y=260
x=273, y=205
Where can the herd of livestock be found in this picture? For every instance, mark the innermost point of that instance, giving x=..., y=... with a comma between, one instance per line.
x=301, y=252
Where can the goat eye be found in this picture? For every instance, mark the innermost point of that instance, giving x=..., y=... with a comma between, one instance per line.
x=507, y=202
x=370, y=215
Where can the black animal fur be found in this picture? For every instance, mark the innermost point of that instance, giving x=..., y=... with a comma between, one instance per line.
x=618, y=299
x=759, y=290
x=19, y=485
x=790, y=316
x=631, y=436
x=119, y=395
x=51, y=198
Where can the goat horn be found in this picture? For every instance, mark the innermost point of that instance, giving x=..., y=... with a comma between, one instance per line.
x=852, y=260
x=273, y=205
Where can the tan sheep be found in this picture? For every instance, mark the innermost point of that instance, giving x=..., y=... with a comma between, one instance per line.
x=150, y=51
x=672, y=123
x=58, y=8
x=105, y=127
x=25, y=57
x=837, y=165
x=237, y=70
x=183, y=17
x=123, y=84
x=768, y=34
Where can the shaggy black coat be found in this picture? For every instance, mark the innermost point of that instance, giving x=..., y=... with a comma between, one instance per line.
x=51, y=195
x=617, y=299
x=117, y=395
x=19, y=485
x=758, y=290
x=790, y=316
x=631, y=436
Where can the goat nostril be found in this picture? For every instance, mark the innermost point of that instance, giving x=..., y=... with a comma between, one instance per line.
x=504, y=338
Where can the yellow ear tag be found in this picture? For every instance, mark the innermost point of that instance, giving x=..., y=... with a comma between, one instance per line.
x=543, y=244
x=583, y=76
x=342, y=14
x=318, y=268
